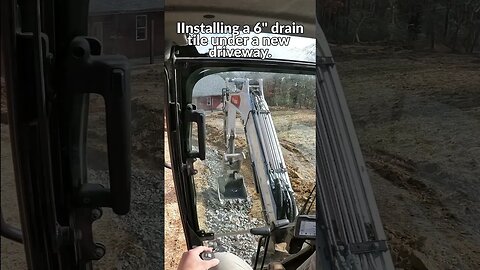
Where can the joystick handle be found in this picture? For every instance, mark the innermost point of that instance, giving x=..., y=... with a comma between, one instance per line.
x=207, y=255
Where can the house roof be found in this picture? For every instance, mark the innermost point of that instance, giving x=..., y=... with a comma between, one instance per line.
x=121, y=6
x=211, y=85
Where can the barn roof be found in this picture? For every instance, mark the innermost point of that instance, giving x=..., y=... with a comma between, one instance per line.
x=122, y=6
x=211, y=85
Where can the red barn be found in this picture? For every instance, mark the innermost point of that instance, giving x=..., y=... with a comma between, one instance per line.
x=207, y=93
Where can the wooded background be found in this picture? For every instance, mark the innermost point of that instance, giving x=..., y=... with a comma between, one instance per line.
x=295, y=91
x=451, y=25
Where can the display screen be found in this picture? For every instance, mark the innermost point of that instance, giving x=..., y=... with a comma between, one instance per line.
x=307, y=228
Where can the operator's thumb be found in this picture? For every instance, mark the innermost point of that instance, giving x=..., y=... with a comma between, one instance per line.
x=211, y=263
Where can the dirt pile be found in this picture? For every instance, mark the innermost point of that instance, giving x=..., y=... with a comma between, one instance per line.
x=417, y=117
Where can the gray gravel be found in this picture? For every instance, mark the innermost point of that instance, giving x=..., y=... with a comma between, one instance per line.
x=144, y=221
x=229, y=216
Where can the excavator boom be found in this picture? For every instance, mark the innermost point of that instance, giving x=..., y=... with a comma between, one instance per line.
x=268, y=165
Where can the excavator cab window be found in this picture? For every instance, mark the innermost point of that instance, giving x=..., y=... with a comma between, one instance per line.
x=247, y=143
x=260, y=133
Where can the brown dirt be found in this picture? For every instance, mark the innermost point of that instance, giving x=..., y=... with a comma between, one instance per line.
x=417, y=117
x=215, y=139
x=301, y=169
x=175, y=243
x=13, y=254
x=295, y=130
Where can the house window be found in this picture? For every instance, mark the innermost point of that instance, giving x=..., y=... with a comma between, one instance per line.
x=141, y=27
x=209, y=101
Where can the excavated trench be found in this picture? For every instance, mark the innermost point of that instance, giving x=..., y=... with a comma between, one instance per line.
x=227, y=216
x=234, y=216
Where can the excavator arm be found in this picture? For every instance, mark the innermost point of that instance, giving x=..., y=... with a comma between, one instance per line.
x=268, y=164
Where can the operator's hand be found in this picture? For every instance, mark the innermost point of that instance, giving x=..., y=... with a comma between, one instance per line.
x=191, y=260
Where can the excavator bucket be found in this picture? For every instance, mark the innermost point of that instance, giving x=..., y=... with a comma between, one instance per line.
x=231, y=187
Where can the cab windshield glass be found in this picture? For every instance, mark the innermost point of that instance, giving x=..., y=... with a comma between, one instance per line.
x=260, y=142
